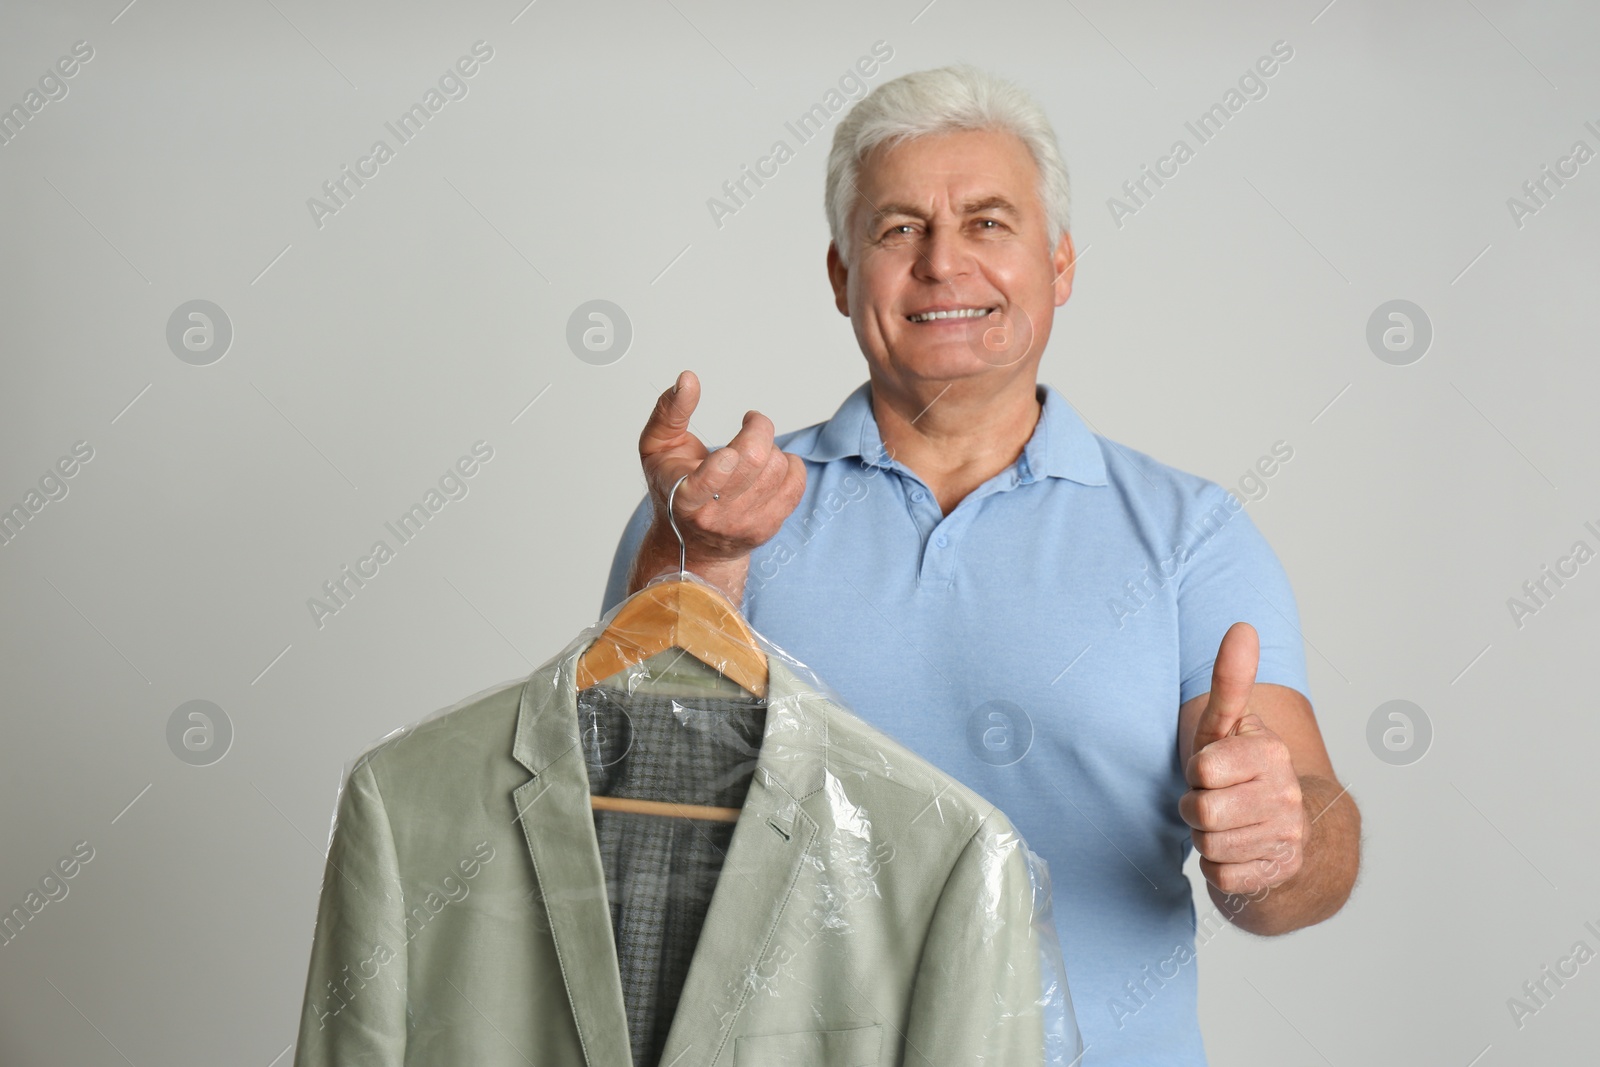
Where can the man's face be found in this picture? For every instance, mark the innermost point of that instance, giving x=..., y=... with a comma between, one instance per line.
x=951, y=222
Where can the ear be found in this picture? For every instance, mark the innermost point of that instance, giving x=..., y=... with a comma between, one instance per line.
x=839, y=277
x=1065, y=261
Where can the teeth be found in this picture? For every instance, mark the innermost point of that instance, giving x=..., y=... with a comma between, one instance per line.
x=963, y=313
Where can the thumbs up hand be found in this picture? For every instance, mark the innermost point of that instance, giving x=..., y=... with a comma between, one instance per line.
x=1243, y=807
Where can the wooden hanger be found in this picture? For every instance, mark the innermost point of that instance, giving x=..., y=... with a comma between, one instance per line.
x=676, y=613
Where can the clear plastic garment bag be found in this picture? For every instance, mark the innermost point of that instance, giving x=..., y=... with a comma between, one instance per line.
x=673, y=845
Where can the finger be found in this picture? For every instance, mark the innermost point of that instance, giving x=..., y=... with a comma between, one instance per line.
x=707, y=480
x=1245, y=879
x=775, y=494
x=668, y=424
x=1242, y=756
x=1241, y=845
x=767, y=486
x=794, y=483
x=753, y=444
x=1231, y=808
x=1233, y=678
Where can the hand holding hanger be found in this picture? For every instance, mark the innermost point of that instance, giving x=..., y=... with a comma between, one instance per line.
x=733, y=501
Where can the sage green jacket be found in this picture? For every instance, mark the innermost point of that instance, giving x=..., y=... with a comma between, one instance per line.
x=870, y=909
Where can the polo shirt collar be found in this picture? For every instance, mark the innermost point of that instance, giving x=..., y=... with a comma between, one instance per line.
x=1062, y=446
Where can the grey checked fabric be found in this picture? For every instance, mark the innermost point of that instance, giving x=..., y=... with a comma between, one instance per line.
x=661, y=871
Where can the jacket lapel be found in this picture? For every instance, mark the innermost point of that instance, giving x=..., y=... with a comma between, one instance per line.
x=734, y=954
x=558, y=824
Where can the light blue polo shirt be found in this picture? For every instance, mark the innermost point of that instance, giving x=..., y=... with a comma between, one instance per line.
x=1035, y=644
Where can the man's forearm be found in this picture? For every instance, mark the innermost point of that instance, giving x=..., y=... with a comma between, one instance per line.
x=658, y=554
x=1331, y=855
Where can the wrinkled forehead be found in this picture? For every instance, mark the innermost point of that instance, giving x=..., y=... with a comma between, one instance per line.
x=966, y=171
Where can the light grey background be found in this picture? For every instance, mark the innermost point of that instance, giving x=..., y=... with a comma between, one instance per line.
x=368, y=354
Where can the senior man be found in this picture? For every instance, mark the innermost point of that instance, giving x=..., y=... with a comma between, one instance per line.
x=1101, y=644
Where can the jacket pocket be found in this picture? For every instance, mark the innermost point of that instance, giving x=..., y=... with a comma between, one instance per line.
x=811, y=1048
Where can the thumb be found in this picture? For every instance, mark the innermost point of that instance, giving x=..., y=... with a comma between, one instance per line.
x=1233, y=677
x=669, y=420
x=1250, y=724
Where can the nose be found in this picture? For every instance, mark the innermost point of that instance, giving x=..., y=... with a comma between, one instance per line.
x=943, y=256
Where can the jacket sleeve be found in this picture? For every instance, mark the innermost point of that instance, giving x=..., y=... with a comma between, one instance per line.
x=354, y=1014
x=991, y=987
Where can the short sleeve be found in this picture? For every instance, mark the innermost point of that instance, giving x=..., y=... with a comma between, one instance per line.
x=1232, y=575
x=628, y=547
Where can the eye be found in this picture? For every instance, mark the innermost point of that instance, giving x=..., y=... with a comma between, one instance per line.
x=989, y=222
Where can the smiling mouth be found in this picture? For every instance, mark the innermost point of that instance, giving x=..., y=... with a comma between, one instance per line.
x=955, y=313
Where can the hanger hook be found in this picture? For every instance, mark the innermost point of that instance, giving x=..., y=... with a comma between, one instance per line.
x=682, y=553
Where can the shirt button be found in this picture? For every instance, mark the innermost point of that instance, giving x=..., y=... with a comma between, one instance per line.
x=943, y=540
x=918, y=495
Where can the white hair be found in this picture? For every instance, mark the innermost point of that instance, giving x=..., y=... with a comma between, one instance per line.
x=942, y=100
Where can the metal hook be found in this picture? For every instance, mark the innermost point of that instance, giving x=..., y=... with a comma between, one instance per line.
x=682, y=552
